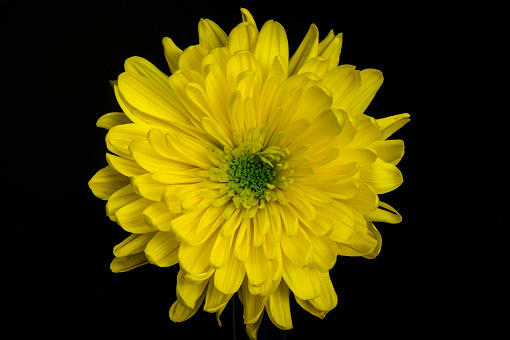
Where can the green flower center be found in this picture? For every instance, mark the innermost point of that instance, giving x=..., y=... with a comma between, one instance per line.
x=249, y=174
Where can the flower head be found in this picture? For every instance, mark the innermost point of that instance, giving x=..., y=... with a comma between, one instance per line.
x=250, y=171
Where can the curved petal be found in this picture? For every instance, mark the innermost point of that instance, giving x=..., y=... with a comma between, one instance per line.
x=126, y=263
x=146, y=69
x=371, y=81
x=243, y=37
x=188, y=293
x=390, y=151
x=278, y=307
x=112, y=119
x=306, y=50
x=179, y=312
x=304, y=282
x=172, y=54
x=162, y=249
x=106, y=182
x=127, y=167
x=210, y=35
x=387, y=214
x=229, y=278
x=133, y=244
x=272, y=42
x=381, y=176
x=253, y=304
x=389, y=125
x=131, y=219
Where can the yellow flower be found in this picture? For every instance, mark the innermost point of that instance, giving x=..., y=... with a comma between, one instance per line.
x=250, y=171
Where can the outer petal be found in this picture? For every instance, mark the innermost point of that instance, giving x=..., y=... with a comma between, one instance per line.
x=126, y=263
x=306, y=50
x=112, y=119
x=210, y=35
x=146, y=69
x=243, y=37
x=162, y=249
x=172, y=54
x=387, y=214
x=130, y=217
x=390, y=151
x=381, y=176
x=133, y=244
x=178, y=312
x=106, y=182
x=272, y=42
x=188, y=293
x=390, y=125
x=304, y=282
x=371, y=81
x=229, y=278
x=278, y=307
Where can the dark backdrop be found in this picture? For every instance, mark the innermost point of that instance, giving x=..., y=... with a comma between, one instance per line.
x=430, y=57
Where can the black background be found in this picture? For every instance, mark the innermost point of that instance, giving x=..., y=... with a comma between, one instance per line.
x=431, y=57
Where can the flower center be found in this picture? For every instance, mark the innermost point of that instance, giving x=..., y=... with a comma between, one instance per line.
x=249, y=175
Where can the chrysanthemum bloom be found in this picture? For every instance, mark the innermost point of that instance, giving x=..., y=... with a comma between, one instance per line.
x=250, y=171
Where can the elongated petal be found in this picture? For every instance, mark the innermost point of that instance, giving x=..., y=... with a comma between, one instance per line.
x=146, y=69
x=257, y=267
x=390, y=151
x=389, y=125
x=328, y=298
x=306, y=50
x=210, y=35
x=106, y=182
x=278, y=307
x=159, y=217
x=344, y=82
x=162, y=249
x=119, y=137
x=381, y=176
x=253, y=305
x=229, y=278
x=272, y=42
x=119, y=199
x=385, y=213
x=130, y=217
x=243, y=37
x=215, y=300
x=179, y=312
x=332, y=49
x=126, y=263
x=371, y=81
x=172, y=54
x=188, y=293
x=195, y=260
x=133, y=244
x=304, y=282
x=127, y=167
x=112, y=119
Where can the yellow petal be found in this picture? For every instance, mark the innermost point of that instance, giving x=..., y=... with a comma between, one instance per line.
x=146, y=186
x=112, y=119
x=371, y=81
x=367, y=132
x=133, y=244
x=119, y=199
x=125, y=166
x=298, y=249
x=328, y=298
x=243, y=37
x=326, y=42
x=253, y=328
x=172, y=54
x=306, y=50
x=162, y=250
x=191, y=58
x=317, y=65
x=304, y=282
x=178, y=312
x=159, y=217
x=390, y=125
x=344, y=82
x=215, y=300
x=390, y=151
x=154, y=105
x=256, y=266
x=220, y=252
x=131, y=219
x=146, y=69
x=119, y=137
x=272, y=42
x=369, y=246
x=385, y=213
x=365, y=201
x=332, y=50
x=246, y=16
x=324, y=252
x=229, y=278
x=188, y=293
x=278, y=307
x=242, y=245
x=106, y=182
x=210, y=35
x=253, y=305
x=195, y=260
x=381, y=176
x=342, y=218
x=184, y=227
x=126, y=263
